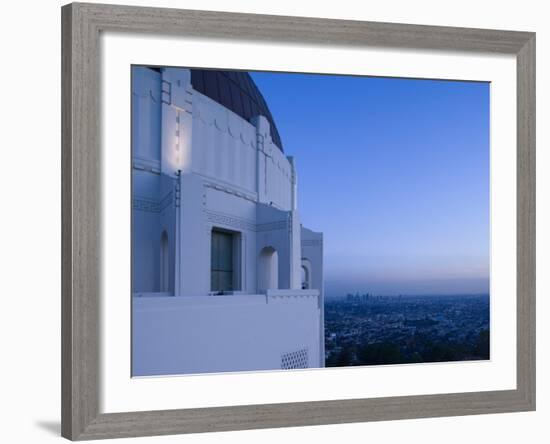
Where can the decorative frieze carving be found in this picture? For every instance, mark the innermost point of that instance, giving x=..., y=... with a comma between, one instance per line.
x=230, y=221
x=238, y=223
x=152, y=205
x=144, y=204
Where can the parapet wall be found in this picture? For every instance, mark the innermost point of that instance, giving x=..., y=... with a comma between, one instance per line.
x=203, y=334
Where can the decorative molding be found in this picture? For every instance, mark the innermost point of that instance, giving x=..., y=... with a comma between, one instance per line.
x=238, y=223
x=273, y=295
x=231, y=190
x=166, y=92
x=149, y=165
x=230, y=221
x=271, y=226
x=149, y=205
x=166, y=201
x=312, y=243
x=217, y=122
x=145, y=204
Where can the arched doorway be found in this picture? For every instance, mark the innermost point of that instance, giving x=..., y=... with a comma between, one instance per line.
x=306, y=274
x=268, y=269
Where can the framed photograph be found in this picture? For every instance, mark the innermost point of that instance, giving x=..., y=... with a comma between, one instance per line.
x=279, y=221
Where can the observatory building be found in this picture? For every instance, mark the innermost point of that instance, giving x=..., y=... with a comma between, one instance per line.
x=224, y=276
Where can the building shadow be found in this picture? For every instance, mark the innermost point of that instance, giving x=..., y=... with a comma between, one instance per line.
x=53, y=427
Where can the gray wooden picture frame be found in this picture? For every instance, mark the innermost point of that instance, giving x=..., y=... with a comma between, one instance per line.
x=81, y=231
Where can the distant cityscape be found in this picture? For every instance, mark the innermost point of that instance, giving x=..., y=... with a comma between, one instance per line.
x=365, y=329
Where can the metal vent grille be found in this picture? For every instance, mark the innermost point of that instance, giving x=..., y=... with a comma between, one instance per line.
x=297, y=359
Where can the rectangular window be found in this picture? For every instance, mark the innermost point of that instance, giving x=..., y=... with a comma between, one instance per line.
x=222, y=276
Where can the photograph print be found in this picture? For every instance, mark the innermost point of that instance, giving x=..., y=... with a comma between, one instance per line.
x=285, y=221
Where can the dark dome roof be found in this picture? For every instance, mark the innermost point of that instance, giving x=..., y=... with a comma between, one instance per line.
x=236, y=91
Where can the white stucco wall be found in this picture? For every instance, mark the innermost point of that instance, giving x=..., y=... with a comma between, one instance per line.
x=206, y=205
x=153, y=193
x=226, y=167
x=146, y=115
x=275, y=172
x=312, y=255
x=224, y=146
x=223, y=333
x=198, y=166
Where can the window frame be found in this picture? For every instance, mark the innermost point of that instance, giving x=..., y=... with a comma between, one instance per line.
x=236, y=240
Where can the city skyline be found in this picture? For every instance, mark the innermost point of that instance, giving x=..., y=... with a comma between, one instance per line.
x=404, y=164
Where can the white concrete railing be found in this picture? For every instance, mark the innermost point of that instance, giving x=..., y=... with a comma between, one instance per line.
x=288, y=295
x=196, y=334
x=236, y=296
x=292, y=293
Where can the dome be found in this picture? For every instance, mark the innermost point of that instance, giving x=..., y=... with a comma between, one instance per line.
x=236, y=91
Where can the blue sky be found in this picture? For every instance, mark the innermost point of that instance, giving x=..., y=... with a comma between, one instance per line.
x=395, y=173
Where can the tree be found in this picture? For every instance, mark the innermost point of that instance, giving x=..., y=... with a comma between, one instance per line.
x=379, y=353
x=482, y=347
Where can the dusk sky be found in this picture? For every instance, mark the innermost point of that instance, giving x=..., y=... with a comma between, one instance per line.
x=395, y=173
